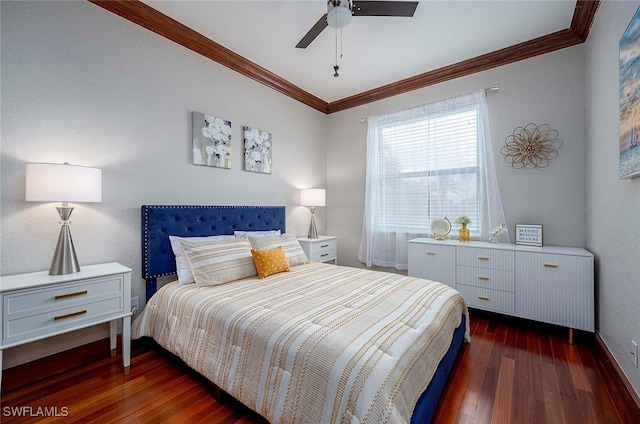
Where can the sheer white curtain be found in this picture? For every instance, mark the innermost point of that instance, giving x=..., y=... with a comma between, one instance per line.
x=427, y=162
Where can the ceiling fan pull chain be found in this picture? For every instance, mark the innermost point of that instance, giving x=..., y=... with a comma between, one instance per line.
x=336, y=67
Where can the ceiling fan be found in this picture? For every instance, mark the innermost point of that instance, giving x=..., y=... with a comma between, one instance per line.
x=339, y=13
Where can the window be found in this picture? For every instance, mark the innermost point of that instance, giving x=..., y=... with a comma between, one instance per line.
x=429, y=169
x=428, y=162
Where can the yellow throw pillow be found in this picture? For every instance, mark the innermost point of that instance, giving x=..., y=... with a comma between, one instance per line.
x=269, y=262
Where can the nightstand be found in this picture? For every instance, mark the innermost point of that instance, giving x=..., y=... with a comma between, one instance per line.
x=38, y=305
x=321, y=249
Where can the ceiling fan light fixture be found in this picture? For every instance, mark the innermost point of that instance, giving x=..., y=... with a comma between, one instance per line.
x=339, y=14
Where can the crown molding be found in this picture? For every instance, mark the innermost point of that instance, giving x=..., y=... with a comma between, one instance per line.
x=583, y=16
x=545, y=44
x=139, y=13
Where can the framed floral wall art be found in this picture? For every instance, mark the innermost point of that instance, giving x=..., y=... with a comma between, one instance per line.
x=211, y=141
x=629, y=131
x=257, y=150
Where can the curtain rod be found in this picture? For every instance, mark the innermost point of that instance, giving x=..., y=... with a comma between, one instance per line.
x=493, y=89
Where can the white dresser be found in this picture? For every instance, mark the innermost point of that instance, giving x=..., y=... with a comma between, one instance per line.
x=321, y=249
x=550, y=284
x=38, y=305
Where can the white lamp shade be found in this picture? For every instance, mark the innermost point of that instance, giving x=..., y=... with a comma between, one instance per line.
x=53, y=182
x=312, y=197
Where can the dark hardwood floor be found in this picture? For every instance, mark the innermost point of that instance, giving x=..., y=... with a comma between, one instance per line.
x=512, y=372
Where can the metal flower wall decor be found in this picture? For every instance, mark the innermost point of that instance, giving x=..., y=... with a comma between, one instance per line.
x=532, y=146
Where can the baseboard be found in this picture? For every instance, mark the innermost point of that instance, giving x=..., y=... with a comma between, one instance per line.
x=613, y=364
x=21, y=375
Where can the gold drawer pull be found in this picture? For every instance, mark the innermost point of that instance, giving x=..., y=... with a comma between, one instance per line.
x=324, y=254
x=483, y=278
x=73, y=314
x=483, y=258
x=324, y=245
x=64, y=296
x=431, y=253
x=551, y=265
x=483, y=297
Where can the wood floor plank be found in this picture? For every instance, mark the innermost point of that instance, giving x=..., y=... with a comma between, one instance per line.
x=501, y=413
x=512, y=372
x=576, y=369
x=552, y=399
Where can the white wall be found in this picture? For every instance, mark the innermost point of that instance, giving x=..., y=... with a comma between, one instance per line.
x=612, y=204
x=82, y=85
x=547, y=89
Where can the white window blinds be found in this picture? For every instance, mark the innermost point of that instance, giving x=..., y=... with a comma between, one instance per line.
x=429, y=169
x=425, y=163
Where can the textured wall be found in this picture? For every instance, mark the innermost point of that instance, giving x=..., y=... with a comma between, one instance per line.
x=545, y=89
x=612, y=204
x=82, y=85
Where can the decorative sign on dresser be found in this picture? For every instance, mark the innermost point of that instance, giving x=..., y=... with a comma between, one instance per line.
x=551, y=284
x=38, y=305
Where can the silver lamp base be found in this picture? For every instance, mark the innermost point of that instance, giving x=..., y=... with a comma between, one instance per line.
x=64, y=258
x=313, y=231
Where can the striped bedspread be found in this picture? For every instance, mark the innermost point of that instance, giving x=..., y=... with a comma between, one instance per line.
x=319, y=344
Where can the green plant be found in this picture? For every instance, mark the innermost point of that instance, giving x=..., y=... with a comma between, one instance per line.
x=463, y=220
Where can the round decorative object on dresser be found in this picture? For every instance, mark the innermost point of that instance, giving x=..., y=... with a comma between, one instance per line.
x=440, y=228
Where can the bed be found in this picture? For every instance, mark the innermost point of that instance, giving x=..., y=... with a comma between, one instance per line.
x=320, y=343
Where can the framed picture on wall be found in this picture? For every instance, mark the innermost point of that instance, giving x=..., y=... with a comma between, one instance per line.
x=629, y=130
x=529, y=234
x=257, y=150
x=211, y=142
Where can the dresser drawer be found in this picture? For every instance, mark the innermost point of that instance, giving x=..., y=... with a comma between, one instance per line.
x=486, y=258
x=488, y=299
x=485, y=277
x=30, y=326
x=433, y=262
x=38, y=300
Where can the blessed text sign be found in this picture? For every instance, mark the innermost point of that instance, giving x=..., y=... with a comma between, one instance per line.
x=529, y=234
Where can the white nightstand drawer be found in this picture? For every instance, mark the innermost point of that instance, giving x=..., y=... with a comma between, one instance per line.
x=486, y=258
x=30, y=326
x=484, y=277
x=39, y=300
x=492, y=300
x=321, y=249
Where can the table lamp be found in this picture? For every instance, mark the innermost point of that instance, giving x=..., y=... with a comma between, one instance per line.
x=312, y=197
x=54, y=182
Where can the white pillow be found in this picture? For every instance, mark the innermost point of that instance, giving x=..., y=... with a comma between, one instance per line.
x=290, y=244
x=183, y=269
x=218, y=262
x=256, y=233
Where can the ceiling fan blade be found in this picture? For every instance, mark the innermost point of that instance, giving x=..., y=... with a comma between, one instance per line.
x=384, y=8
x=313, y=33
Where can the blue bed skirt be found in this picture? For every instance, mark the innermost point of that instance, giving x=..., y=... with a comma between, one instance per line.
x=428, y=402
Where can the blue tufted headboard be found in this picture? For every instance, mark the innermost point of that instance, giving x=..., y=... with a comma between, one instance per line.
x=161, y=221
